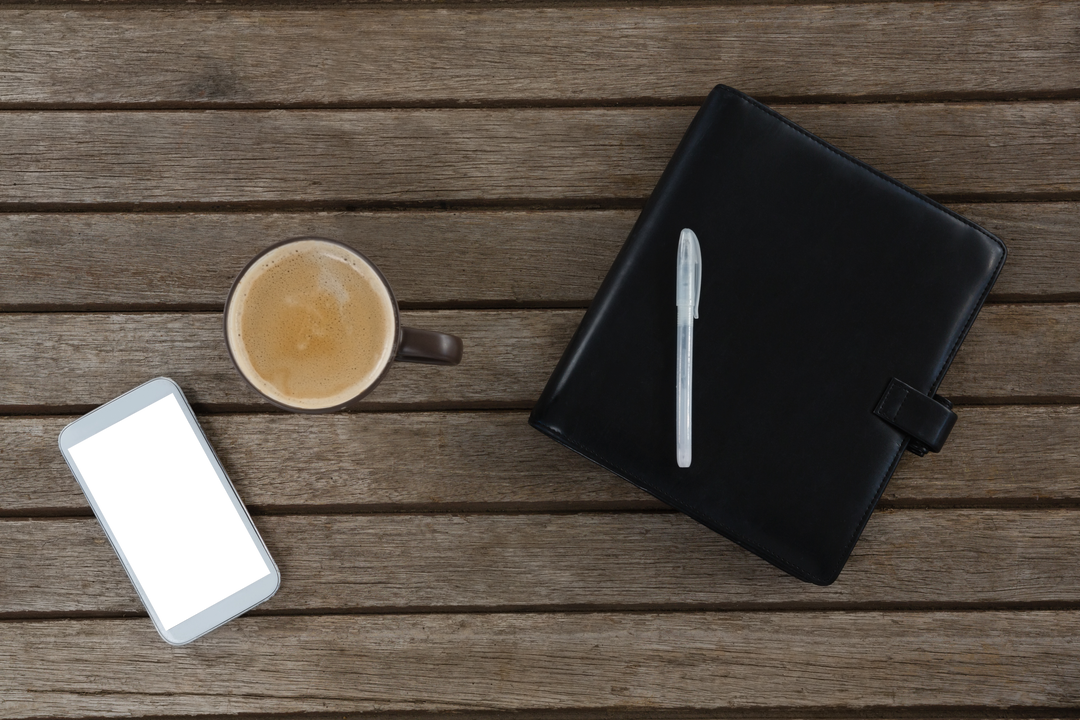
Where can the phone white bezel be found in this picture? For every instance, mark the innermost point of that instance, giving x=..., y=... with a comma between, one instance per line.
x=115, y=411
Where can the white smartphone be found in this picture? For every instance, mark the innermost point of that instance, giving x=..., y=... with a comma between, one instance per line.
x=170, y=511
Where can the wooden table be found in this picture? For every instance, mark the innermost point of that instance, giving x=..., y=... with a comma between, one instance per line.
x=437, y=554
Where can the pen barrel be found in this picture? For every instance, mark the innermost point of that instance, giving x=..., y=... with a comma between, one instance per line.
x=684, y=379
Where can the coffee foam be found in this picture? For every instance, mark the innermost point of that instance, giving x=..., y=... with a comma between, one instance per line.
x=311, y=325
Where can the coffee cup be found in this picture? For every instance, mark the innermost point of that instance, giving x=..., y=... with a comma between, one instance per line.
x=312, y=325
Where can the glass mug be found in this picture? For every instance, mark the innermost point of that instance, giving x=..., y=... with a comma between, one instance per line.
x=312, y=325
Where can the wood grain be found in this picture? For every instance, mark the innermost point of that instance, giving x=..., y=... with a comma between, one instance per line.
x=405, y=536
x=476, y=55
x=380, y=563
x=1044, y=248
x=349, y=157
x=65, y=359
x=997, y=454
x=57, y=360
x=1021, y=352
x=499, y=258
x=471, y=461
x=76, y=668
x=430, y=258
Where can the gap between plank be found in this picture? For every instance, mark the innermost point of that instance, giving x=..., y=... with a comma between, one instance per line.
x=599, y=609
x=449, y=4
x=266, y=408
x=428, y=207
x=647, y=505
x=215, y=308
x=492, y=305
x=466, y=406
x=1064, y=94
x=469, y=406
x=929, y=712
x=284, y=206
x=456, y=206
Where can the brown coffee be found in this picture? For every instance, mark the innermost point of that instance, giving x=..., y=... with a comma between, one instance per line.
x=311, y=325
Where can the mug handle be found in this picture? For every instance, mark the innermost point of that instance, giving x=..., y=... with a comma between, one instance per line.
x=428, y=347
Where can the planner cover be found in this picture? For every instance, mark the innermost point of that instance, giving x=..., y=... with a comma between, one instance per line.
x=833, y=299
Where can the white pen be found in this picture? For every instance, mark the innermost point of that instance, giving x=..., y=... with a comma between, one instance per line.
x=687, y=295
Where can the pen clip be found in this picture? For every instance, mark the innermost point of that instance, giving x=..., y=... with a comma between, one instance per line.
x=697, y=282
x=689, y=269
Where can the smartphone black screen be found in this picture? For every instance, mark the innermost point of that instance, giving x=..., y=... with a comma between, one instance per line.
x=171, y=514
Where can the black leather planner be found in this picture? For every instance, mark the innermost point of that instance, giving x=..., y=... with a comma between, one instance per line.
x=833, y=300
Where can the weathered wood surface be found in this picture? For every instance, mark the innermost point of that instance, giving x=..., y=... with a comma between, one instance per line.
x=498, y=258
x=1044, y=248
x=74, y=668
x=1017, y=352
x=433, y=258
x=347, y=157
x=473, y=461
x=58, y=360
x=455, y=55
x=495, y=156
x=380, y=563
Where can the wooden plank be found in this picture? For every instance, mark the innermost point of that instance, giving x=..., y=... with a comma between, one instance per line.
x=1044, y=248
x=57, y=360
x=996, y=359
x=347, y=157
x=998, y=454
x=639, y=661
x=500, y=257
x=147, y=259
x=508, y=356
x=381, y=563
x=408, y=55
x=495, y=461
